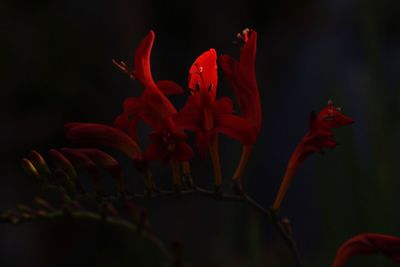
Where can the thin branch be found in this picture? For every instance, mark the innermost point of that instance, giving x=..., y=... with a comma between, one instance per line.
x=196, y=190
x=287, y=237
x=243, y=197
x=87, y=215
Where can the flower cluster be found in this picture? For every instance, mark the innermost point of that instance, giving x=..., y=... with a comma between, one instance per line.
x=207, y=117
x=204, y=114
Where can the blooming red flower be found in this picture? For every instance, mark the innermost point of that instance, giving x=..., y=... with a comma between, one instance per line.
x=168, y=144
x=207, y=116
x=368, y=243
x=319, y=136
x=153, y=105
x=204, y=114
x=241, y=74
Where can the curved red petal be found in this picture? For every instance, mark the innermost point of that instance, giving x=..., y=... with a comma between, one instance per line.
x=142, y=61
x=203, y=73
x=121, y=122
x=103, y=135
x=134, y=106
x=248, y=58
x=237, y=128
x=242, y=77
x=368, y=243
x=223, y=105
x=191, y=116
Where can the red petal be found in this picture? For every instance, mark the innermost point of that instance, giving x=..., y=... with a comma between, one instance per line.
x=236, y=128
x=248, y=59
x=152, y=107
x=368, y=243
x=170, y=87
x=142, y=61
x=203, y=73
x=134, y=106
x=331, y=117
x=223, y=106
x=103, y=135
x=191, y=116
x=121, y=122
x=241, y=74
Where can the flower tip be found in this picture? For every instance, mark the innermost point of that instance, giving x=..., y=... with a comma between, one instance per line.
x=29, y=168
x=36, y=157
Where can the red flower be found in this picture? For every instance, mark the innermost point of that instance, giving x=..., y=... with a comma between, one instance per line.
x=152, y=106
x=204, y=114
x=207, y=116
x=168, y=144
x=241, y=74
x=319, y=136
x=103, y=135
x=368, y=243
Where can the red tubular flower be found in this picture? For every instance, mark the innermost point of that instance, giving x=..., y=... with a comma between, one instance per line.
x=207, y=116
x=319, y=136
x=368, y=243
x=103, y=135
x=152, y=106
x=241, y=75
x=168, y=144
x=204, y=114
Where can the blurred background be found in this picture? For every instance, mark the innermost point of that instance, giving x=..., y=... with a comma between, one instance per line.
x=55, y=67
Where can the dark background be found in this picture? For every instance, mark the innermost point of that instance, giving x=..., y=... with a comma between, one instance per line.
x=55, y=67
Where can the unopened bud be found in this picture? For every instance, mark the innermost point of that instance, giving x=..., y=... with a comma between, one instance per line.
x=29, y=168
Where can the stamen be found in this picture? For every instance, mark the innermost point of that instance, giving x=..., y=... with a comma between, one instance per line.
x=124, y=68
